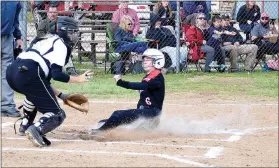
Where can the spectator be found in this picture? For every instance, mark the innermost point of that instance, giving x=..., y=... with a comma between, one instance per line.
x=9, y=30
x=44, y=27
x=196, y=36
x=247, y=16
x=162, y=34
x=190, y=7
x=215, y=42
x=233, y=43
x=167, y=40
x=125, y=38
x=191, y=19
x=164, y=11
x=40, y=5
x=124, y=10
x=261, y=35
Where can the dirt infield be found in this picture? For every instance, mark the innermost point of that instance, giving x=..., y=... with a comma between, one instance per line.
x=194, y=132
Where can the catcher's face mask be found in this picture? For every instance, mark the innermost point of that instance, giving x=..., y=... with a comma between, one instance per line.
x=73, y=36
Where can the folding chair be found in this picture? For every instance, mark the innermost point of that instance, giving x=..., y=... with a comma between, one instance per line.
x=198, y=63
x=111, y=55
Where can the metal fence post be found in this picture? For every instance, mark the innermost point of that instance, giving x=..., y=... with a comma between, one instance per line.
x=23, y=23
x=177, y=35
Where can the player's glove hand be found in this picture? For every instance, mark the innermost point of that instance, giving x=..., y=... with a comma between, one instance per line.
x=63, y=96
x=78, y=102
x=117, y=78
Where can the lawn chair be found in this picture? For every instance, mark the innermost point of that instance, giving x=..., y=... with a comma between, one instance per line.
x=111, y=55
x=195, y=56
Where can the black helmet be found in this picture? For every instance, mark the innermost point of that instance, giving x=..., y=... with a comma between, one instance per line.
x=66, y=28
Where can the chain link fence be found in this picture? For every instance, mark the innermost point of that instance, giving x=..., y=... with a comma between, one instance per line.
x=229, y=35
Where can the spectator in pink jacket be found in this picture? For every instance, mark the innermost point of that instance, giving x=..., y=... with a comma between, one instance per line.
x=124, y=10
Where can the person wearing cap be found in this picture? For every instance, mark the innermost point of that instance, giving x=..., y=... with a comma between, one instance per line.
x=124, y=10
x=190, y=7
x=191, y=19
x=233, y=43
x=247, y=16
x=261, y=36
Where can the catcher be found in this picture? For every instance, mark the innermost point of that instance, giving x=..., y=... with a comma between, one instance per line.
x=31, y=72
x=152, y=93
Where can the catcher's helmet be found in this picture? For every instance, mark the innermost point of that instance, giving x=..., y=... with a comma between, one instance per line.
x=157, y=56
x=66, y=28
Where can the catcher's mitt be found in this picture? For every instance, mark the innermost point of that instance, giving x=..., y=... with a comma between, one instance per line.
x=78, y=102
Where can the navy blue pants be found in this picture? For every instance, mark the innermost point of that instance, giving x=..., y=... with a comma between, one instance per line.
x=31, y=82
x=120, y=117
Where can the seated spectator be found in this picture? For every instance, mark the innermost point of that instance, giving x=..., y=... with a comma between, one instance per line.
x=247, y=16
x=215, y=42
x=125, y=39
x=191, y=19
x=190, y=7
x=160, y=33
x=166, y=39
x=196, y=36
x=233, y=43
x=164, y=11
x=124, y=10
x=262, y=34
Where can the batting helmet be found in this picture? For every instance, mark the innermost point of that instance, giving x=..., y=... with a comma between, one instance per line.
x=157, y=56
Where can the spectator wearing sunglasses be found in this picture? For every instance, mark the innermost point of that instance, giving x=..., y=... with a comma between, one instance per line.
x=247, y=15
x=261, y=35
x=233, y=43
x=196, y=36
x=124, y=10
x=191, y=19
x=125, y=39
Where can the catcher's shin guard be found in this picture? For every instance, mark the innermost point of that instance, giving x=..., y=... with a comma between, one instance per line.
x=50, y=121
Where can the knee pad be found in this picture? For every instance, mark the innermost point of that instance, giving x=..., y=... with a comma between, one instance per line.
x=50, y=121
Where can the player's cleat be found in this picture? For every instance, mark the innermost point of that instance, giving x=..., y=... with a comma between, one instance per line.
x=34, y=136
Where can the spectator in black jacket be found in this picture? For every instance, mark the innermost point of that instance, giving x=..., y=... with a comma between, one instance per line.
x=162, y=34
x=233, y=43
x=164, y=11
x=247, y=15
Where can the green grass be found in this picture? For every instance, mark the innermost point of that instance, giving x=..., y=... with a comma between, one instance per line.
x=257, y=84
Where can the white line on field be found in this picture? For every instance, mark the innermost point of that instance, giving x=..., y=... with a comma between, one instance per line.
x=6, y=124
x=165, y=156
x=174, y=104
x=214, y=152
x=119, y=142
